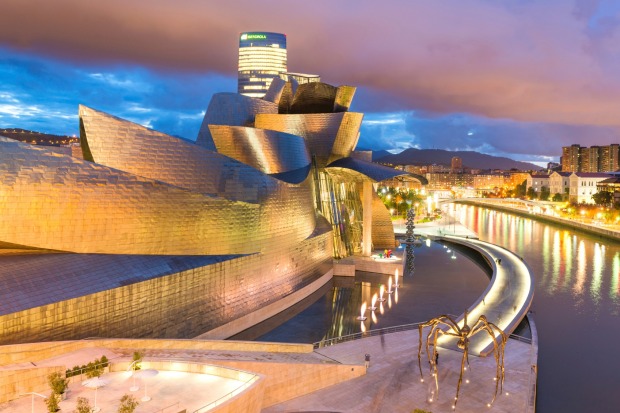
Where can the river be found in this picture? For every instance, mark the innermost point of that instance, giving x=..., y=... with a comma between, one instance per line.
x=576, y=307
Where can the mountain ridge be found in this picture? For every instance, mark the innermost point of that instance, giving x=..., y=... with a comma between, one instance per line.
x=471, y=159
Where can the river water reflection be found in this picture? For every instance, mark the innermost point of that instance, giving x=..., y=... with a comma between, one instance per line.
x=576, y=305
x=444, y=282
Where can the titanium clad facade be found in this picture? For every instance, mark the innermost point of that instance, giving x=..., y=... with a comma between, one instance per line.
x=268, y=151
x=315, y=97
x=58, y=202
x=79, y=295
x=329, y=136
x=231, y=109
x=262, y=57
x=351, y=169
x=61, y=203
x=274, y=93
x=344, y=97
x=382, y=227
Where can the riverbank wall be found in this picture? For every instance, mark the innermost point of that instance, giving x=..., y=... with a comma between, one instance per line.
x=569, y=223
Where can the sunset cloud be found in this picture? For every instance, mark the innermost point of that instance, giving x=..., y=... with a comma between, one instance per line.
x=550, y=62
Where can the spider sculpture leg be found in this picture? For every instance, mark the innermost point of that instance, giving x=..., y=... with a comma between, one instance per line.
x=463, y=360
x=434, y=324
x=498, y=349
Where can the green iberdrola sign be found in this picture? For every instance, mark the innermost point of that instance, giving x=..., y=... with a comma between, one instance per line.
x=250, y=36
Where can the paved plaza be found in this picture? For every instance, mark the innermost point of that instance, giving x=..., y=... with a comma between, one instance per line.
x=392, y=383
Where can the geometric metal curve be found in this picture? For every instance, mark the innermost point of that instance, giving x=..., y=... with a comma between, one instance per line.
x=314, y=97
x=231, y=109
x=351, y=167
x=129, y=147
x=274, y=93
x=78, y=206
x=344, y=97
x=329, y=136
x=269, y=151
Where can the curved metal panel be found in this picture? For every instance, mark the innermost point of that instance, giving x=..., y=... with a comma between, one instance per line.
x=382, y=227
x=132, y=148
x=373, y=171
x=314, y=97
x=53, y=201
x=274, y=93
x=269, y=151
x=231, y=109
x=323, y=132
x=284, y=105
x=344, y=97
x=347, y=137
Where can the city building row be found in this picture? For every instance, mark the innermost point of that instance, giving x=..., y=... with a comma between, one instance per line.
x=576, y=187
x=576, y=158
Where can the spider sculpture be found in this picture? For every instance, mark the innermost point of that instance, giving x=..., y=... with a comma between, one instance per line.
x=445, y=325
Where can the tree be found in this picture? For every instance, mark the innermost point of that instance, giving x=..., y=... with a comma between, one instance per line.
x=520, y=190
x=94, y=369
x=544, y=193
x=136, y=360
x=52, y=403
x=128, y=404
x=557, y=197
x=603, y=198
x=57, y=382
x=531, y=193
x=83, y=406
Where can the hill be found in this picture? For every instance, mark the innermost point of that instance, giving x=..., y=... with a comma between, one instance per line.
x=470, y=159
x=37, y=138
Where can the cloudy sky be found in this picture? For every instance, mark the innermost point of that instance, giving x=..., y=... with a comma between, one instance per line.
x=518, y=78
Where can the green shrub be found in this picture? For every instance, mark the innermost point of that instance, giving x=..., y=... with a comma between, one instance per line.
x=58, y=383
x=137, y=359
x=83, y=406
x=52, y=403
x=128, y=404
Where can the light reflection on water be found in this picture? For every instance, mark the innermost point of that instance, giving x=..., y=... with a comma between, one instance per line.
x=417, y=298
x=576, y=305
x=557, y=250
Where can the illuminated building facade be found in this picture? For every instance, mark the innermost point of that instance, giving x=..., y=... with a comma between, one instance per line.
x=456, y=165
x=576, y=158
x=262, y=57
x=150, y=235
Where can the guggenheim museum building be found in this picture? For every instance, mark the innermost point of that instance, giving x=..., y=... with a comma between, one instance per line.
x=151, y=235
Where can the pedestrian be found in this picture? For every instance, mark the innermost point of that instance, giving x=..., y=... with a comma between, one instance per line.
x=436, y=359
x=367, y=360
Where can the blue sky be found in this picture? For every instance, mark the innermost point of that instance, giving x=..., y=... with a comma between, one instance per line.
x=513, y=78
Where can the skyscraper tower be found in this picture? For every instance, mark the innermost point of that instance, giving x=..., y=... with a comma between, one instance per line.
x=262, y=57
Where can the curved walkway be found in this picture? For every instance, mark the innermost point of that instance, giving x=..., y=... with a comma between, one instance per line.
x=506, y=300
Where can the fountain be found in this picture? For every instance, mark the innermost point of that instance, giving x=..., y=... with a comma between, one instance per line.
x=362, y=317
x=381, y=292
x=373, y=302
